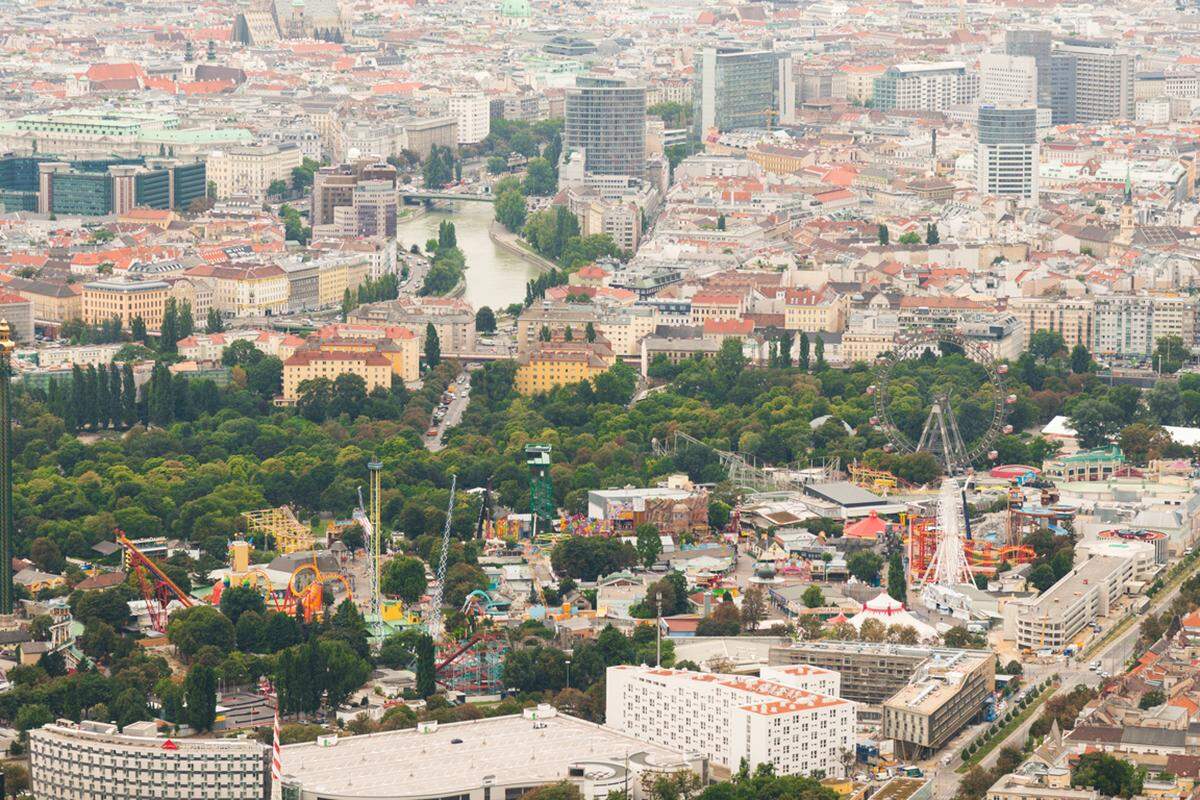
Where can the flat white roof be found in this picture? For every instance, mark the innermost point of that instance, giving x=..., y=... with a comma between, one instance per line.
x=455, y=758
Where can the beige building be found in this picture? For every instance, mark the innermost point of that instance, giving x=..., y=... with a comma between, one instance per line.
x=1072, y=317
x=373, y=367
x=860, y=80
x=814, y=310
x=716, y=305
x=195, y=292
x=245, y=290
x=865, y=347
x=53, y=302
x=251, y=170
x=927, y=713
x=420, y=135
x=127, y=300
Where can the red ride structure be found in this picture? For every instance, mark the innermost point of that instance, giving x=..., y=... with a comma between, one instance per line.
x=156, y=587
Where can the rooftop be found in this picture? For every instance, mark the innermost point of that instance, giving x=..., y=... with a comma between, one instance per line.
x=512, y=749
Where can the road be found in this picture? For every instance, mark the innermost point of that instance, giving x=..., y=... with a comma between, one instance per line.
x=1112, y=657
x=454, y=414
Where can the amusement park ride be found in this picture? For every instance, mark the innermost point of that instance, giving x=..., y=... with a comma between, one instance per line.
x=941, y=552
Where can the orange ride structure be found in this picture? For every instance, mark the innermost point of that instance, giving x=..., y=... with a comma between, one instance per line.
x=156, y=586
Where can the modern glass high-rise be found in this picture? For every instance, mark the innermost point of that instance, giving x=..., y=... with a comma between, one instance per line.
x=606, y=119
x=738, y=88
x=1037, y=44
x=1006, y=154
x=1090, y=81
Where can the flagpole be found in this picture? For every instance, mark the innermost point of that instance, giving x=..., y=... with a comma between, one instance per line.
x=276, y=760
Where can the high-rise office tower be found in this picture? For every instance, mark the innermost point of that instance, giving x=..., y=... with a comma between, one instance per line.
x=1090, y=81
x=1037, y=45
x=1006, y=153
x=742, y=89
x=606, y=120
x=1007, y=80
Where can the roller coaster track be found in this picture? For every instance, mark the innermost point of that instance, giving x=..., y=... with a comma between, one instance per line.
x=744, y=470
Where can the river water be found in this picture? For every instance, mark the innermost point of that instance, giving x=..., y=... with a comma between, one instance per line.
x=495, y=276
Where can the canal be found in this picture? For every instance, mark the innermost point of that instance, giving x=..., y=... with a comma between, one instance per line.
x=495, y=277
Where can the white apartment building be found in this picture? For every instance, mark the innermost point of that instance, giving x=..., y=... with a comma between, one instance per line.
x=474, y=115
x=251, y=170
x=1131, y=325
x=91, y=761
x=806, y=677
x=729, y=718
x=934, y=86
x=1007, y=80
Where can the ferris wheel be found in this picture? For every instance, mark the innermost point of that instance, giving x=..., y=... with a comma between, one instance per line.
x=941, y=433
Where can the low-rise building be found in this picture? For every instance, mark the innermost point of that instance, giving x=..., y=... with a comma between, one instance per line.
x=18, y=312
x=560, y=363
x=946, y=695
x=309, y=364
x=126, y=300
x=1082, y=596
x=733, y=719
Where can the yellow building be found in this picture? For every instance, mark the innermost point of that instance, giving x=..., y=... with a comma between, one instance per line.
x=560, y=363
x=52, y=301
x=372, y=367
x=400, y=345
x=334, y=279
x=815, y=310
x=126, y=299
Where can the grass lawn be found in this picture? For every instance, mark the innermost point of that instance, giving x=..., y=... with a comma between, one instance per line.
x=1003, y=734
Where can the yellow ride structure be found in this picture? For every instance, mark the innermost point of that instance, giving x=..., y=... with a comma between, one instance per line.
x=286, y=533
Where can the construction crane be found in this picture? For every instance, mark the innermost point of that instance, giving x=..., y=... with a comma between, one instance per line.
x=157, y=593
x=433, y=622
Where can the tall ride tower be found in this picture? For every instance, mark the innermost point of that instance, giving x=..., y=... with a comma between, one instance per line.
x=6, y=477
x=541, y=490
x=375, y=544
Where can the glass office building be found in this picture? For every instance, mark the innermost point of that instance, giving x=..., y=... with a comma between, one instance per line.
x=606, y=120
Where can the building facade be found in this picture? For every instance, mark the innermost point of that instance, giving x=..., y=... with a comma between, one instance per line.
x=606, y=120
x=731, y=718
x=1079, y=598
x=1071, y=317
x=1091, y=81
x=738, y=88
x=1006, y=153
x=127, y=300
x=933, y=86
x=92, y=761
x=310, y=364
x=560, y=363
x=251, y=170
x=1130, y=326
x=473, y=113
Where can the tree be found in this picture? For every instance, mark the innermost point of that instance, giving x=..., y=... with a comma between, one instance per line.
x=865, y=565
x=169, y=330
x=589, y=332
x=404, y=578
x=649, y=545
x=485, y=320
x=277, y=188
x=819, y=354
x=137, y=329
x=200, y=697
x=433, y=348
x=1096, y=422
x=1046, y=344
x=931, y=234
x=189, y=629
x=497, y=164
x=1170, y=353
x=46, y=555
x=1108, y=775
x=426, y=682
x=910, y=238
x=344, y=670
x=238, y=600
x=348, y=395
x=128, y=395
x=265, y=378
x=804, y=351
x=754, y=608
x=725, y=620
x=540, y=180
x=1143, y=443
x=1081, y=359
x=1152, y=699
x=813, y=597
x=884, y=235
x=897, y=584
x=511, y=210
x=315, y=396
x=32, y=715
x=721, y=222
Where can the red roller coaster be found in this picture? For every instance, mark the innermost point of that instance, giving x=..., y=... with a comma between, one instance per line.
x=156, y=587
